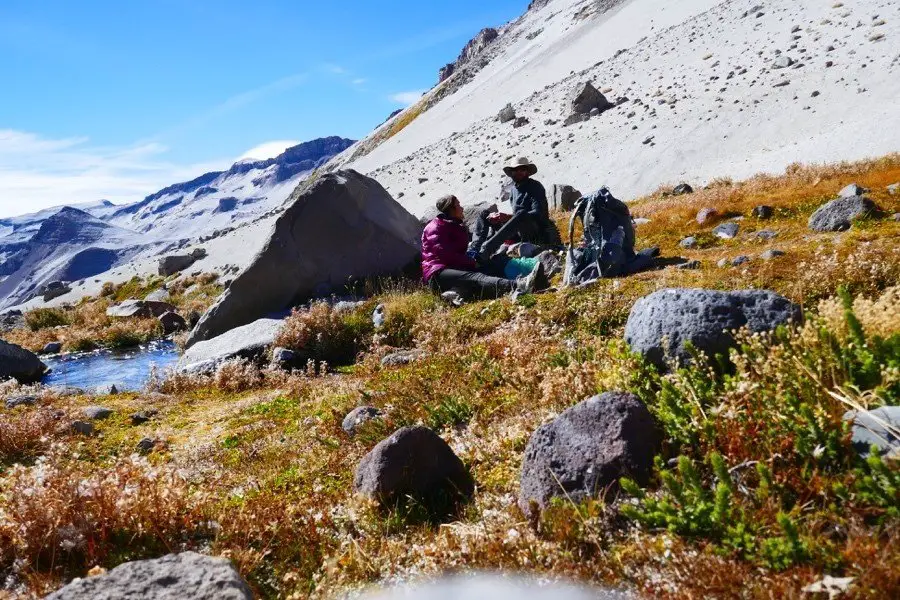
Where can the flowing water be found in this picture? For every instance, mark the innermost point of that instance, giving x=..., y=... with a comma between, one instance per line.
x=126, y=369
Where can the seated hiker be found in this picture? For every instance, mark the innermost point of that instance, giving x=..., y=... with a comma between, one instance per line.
x=530, y=221
x=447, y=267
x=607, y=249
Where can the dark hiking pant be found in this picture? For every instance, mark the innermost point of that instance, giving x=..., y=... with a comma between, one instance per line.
x=521, y=227
x=472, y=285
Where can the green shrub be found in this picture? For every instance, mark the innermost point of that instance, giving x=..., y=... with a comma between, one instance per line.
x=44, y=318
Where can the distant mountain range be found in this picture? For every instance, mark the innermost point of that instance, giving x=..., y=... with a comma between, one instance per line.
x=71, y=243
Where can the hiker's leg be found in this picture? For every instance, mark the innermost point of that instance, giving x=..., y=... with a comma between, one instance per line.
x=474, y=285
x=482, y=230
x=519, y=226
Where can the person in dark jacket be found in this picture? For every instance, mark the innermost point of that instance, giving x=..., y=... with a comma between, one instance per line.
x=530, y=221
x=447, y=267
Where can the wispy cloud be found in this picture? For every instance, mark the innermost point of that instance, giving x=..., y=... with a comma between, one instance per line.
x=407, y=98
x=235, y=103
x=37, y=172
x=359, y=81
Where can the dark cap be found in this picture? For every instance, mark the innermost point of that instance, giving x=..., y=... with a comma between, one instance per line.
x=445, y=203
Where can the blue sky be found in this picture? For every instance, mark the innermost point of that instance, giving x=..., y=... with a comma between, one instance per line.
x=113, y=99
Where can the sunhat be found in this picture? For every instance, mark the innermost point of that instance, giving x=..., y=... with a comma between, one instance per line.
x=520, y=162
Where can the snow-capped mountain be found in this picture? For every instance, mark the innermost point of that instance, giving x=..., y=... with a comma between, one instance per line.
x=73, y=243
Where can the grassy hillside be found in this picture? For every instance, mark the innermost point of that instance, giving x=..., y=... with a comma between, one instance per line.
x=757, y=491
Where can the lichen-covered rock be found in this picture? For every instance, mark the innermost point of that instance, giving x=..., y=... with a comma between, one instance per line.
x=412, y=461
x=185, y=576
x=662, y=324
x=839, y=214
x=726, y=231
x=357, y=417
x=586, y=449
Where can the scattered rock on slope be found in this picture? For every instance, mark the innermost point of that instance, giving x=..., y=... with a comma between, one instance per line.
x=340, y=227
x=413, y=461
x=248, y=342
x=54, y=290
x=662, y=323
x=473, y=48
x=586, y=97
x=587, y=449
x=839, y=214
x=185, y=576
x=507, y=114
x=169, y=265
x=19, y=364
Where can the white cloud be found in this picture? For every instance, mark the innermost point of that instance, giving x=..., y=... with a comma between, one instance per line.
x=37, y=172
x=407, y=98
x=359, y=81
x=268, y=150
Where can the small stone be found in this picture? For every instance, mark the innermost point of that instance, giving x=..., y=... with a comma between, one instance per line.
x=141, y=417
x=839, y=214
x=723, y=262
x=815, y=93
x=762, y=212
x=852, y=190
x=681, y=189
x=894, y=189
x=770, y=254
x=869, y=430
x=97, y=413
x=145, y=446
x=83, y=428
x=782, y=83
x=22, y=400
x=707, y=215
x=52, y=348
x=726, y=231
x=689, y=265
x=282, y=358
x=507, y=114
x=171, y=322
x=402, y=357
x=106, y=390
x=688, y=242
x=766, y=234
x=740, y=260
x=358, y=416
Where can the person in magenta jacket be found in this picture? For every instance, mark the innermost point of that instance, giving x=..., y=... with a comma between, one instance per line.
x=447, y=267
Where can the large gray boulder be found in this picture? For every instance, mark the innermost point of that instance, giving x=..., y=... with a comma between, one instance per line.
x=185, y=576
x=413, y=461
x=587, y=448
x=20, y=364
x=839, y=214
x=248, y=342
x=54, y=290
x=340, y=227
x=176, y=263
x=586, y=97
x=878, y=427
x=662, y=323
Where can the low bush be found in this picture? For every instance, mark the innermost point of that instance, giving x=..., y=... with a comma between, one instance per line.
x=44, y=318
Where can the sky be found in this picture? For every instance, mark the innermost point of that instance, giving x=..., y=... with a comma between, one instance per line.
x=105, y=99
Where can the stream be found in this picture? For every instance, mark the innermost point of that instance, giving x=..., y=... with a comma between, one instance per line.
x=128, y=370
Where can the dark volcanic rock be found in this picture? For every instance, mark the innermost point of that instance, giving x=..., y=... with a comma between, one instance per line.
x=185, y=576
x=20, y=364
x=839, y=214
x=473, y=48
x=342, y=226
x=172, y=322
x=585, y=450
x=763, y=212
x=413, y=461
x=705, y=318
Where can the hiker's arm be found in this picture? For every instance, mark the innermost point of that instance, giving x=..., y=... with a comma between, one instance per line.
x=538, y=199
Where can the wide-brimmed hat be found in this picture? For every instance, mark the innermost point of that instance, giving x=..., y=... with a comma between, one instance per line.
x=520, y=162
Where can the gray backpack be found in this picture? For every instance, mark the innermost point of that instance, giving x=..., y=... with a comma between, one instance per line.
x=608, y=245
